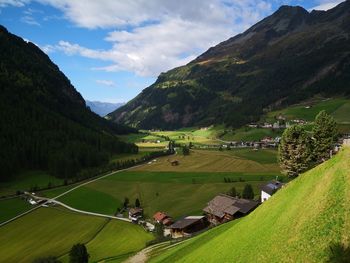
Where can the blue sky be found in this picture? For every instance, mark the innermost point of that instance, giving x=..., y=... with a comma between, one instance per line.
x=112, y=49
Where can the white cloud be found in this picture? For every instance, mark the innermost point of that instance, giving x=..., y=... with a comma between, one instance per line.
x=108, y=83
x=18, y=3
x=164, y=33
x=326, y=5
x=30, y=20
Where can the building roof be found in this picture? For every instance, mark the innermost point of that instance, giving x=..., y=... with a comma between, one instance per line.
x=225, y=204
x=135, y=210
x=186, y=222
x=271, y=187
x=167, y=221
x=160, y=216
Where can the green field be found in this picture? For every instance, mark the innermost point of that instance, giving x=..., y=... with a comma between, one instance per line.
x=178, y=190
x=53, y=231
x=298, y=224
x=175, y=193
x=10, y=208
x=236, y=160
x=87, y=199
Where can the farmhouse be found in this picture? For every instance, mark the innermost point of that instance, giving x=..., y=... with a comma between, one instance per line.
x=224, y=208
x=162, y=218
x=187, y=226
x=135, y=213
x=269, y=189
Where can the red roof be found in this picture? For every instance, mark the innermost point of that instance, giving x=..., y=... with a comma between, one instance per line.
x=160, y=216
x=167, y=221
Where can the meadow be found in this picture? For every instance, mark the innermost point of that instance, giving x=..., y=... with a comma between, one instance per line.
x=178, y=190
x=299, y=223
x=10, y=208
x=53, y=231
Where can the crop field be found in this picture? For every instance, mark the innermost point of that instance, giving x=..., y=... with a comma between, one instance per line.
x=10, y=208
x=178, y=190
x=175, y=193
x=310, y=214
x=250, y=161
x=53, y=231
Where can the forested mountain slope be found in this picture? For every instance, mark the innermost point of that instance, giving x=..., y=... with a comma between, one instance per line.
x=44, y=123
x=289, y=56
x=303, y=222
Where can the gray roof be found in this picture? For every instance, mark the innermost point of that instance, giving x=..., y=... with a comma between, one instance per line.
x=271, y=187
x=224, y=204
x=185, y=222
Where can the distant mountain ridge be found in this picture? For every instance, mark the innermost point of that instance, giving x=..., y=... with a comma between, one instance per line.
x=287, y=57
x=103, y=108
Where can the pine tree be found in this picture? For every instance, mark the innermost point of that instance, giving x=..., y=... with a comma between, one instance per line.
x=325, y=134
x=248, y=192
x=233, y=192
x=137, y=203
x=294, y=152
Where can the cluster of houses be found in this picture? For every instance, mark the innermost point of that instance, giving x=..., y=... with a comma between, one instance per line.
x=280, y=123
x=222, y=208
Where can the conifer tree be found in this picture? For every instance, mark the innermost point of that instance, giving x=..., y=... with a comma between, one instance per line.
x=294, y=152
x=325, y=134
x=248, y=192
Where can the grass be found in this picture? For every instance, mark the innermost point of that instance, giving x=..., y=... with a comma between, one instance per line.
x=12, y=207
x=127, y=239
x=247, y=161
x=178, y=190
x=45, y=232
x=177, y=193
x=298, y=224
x=27, y=180
x=88, y=199
x=337, y=107
x=53, y=231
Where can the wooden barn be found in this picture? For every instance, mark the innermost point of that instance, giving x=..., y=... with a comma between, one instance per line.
x=223, y=208
x=188, y=225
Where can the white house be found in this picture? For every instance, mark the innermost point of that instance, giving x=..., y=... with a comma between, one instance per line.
x=269, y=189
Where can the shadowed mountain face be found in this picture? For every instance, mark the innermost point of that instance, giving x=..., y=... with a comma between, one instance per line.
x=44, y=123
x=287, y=57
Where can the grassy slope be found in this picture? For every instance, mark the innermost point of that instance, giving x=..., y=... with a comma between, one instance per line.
x=11, y=207
x=45, y=232
x=298, y=224
x=52, y=231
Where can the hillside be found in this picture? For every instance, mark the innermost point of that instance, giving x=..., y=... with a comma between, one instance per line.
x=44, y=121
x=103, y=108
x=288, y=57
x=298, y=224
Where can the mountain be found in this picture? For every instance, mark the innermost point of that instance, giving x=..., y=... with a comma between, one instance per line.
x=287, y=57
x=300, y=223
x=44, y=122
x=103, y=108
